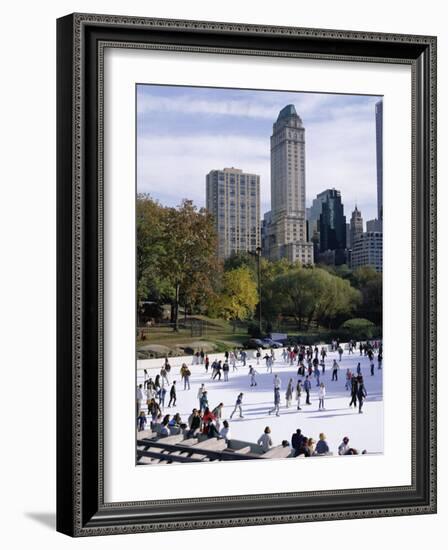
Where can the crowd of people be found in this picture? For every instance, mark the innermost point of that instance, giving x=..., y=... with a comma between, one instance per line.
x=307, y=446
x=160, y=392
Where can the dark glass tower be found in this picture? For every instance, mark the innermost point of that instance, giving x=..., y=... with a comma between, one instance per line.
x=332, y=226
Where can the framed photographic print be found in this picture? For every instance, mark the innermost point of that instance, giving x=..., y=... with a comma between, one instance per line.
x=246, y=274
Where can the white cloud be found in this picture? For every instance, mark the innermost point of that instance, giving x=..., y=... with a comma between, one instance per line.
x=264, y=106
x=340, y=149
x=342, y=155
x=175, y=167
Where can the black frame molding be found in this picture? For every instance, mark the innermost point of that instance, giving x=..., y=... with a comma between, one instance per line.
x=81, y=39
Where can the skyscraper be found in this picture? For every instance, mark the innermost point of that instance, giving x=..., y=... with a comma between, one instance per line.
x=331, y=226
x=233, y=198
x=379, y=157
x=356, y=226
x=314, y=211
x=368, y=251
x=285, y=229
x=374, y=225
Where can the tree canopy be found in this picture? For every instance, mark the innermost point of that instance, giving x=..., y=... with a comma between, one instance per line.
x=176, y=253
x=238, y=295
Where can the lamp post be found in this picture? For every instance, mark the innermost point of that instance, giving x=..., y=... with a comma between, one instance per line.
x=258, y=250
x=257, y=254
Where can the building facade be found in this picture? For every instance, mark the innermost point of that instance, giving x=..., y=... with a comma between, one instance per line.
x=284, y=228
x=313, y=214
x=367, y=250
x=233, y=198
x=332, y=226
x=356, y=226
x=374, y=225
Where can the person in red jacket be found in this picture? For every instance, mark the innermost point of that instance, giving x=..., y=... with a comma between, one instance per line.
x=207, y=419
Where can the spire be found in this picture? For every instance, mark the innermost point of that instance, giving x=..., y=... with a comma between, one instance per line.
x=287, y=112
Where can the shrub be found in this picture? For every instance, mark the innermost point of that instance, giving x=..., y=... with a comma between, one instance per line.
x=359, y=329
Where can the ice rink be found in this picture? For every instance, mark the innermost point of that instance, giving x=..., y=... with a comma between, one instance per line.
x=336, y=421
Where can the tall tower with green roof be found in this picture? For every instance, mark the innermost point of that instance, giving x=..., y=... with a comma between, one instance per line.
x=286, y=233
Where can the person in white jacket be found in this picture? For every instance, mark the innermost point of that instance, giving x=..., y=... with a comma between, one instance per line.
x=343, y=447
x=265, y=440
x=225, y=431
x=139, y=398
x=321, y=393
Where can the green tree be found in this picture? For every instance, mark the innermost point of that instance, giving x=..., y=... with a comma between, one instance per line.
x=337, y=301
x=293, y=295
x=370, y=285
x=176, y=254
x=238, y=296
x=150, y=249
x=313, y=295
x=189, y=262
x=269, y=271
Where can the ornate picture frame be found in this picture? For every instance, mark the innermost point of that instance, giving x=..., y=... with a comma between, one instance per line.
x=81, y=507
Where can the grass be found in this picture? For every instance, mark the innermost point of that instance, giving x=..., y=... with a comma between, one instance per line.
x=218, y=332
x=221, y=334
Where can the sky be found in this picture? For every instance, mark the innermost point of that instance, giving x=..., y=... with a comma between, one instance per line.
x=185, y=132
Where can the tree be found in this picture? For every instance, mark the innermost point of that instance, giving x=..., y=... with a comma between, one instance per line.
x=176, y=254
x=269, y=271
x=238, y=296
x=313, y=294
x=370, y=284
x=241, y=259
x=150, y=249
x=190, y=260
x=338, y=301
x=293, y=295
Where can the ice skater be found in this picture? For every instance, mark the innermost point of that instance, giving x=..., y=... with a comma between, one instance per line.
x=268, y=359
x=323, y=354
x=173, y=395
x=317, y=374
x=139, y=398
x=335, y=369
x=307, y=388
x=200, y=393
x=252, y=373
x=238, y=406
x=298, y=393
x=348, y=379
x=203, y=401
x=362, y=394
x=321, y=394
x=232, y=360
x=276, y=407
x=289, y=394
x=277, y=382
x=217, y=370
x=354, y=391
x=185, y=373
x=225, y=371
x=141, y=421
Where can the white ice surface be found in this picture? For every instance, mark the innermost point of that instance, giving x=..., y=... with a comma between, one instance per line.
x=336, y=421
